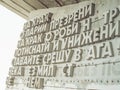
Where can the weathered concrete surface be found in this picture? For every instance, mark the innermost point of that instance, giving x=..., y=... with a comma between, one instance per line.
x=99, y=66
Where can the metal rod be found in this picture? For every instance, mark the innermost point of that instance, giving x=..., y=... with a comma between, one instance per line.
x=43, y=3
x=59, y=2
x=30, y=5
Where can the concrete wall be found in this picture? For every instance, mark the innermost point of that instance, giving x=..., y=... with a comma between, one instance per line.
x=91, y=63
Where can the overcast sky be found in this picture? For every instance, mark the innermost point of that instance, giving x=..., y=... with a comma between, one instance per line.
x=10, y=28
